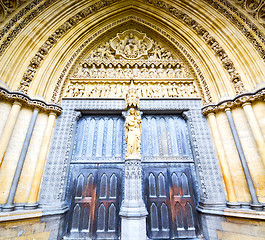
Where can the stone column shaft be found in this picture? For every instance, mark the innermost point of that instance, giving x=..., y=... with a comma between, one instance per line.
x=256, y=204
x=33, y=196
x=222, y=159
x=8, y=129
x=133, y=212
x=9, y=204
x=256, y=131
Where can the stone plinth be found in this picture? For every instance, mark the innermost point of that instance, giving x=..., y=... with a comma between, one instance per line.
x=133, y=211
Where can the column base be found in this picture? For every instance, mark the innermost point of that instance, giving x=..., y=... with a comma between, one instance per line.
x=233, y=204
x=133, y=228
x=257, y=207
x=30, y=206
x=133, y=209
x=133, y=220
x=8, y=208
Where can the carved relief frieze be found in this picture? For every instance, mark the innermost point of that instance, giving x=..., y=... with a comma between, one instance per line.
x=107, y=70
x=130, y=45
x=128, y=70
x=70, y=70
x=117, y=89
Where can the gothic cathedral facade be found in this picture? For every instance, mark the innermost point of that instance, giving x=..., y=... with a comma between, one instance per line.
x=132, y=120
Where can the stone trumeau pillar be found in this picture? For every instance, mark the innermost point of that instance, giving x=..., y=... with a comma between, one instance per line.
x=133, y=211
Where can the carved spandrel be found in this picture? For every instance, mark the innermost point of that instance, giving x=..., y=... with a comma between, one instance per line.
x=143, y=89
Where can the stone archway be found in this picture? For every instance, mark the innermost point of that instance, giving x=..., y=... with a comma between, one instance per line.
x=104, y=75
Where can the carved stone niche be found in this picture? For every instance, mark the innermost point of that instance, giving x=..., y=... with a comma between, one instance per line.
x=131, y=44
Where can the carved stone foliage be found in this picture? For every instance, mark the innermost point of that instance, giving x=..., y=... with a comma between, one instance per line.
x=206, y=36
x=133, y=169
x=29, y=102
x=118, y=89
x=256, y=8
x=8, y=6
x=54, y=37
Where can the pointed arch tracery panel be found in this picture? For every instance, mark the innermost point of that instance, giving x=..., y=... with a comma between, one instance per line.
x=170, y=203
x=99, y=138
x=94, y=203
x=165, y=138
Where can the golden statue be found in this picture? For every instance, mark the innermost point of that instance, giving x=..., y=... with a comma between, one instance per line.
x=133, y=130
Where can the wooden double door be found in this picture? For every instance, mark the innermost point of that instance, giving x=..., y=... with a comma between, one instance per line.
x=95, y=185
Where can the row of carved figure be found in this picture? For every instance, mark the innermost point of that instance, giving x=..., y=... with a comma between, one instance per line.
x=144, y=90
x=136, y=72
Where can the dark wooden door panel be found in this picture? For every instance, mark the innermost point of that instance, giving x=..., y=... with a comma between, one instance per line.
x=182, y=203
x=156, y=188
x=82, y=205
x=108, y=203
x=170, y=203
x=95, y=203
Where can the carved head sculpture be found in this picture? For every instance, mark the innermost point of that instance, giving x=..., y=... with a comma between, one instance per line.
x=132, y=111
x=138, y=113
x=131, y=35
